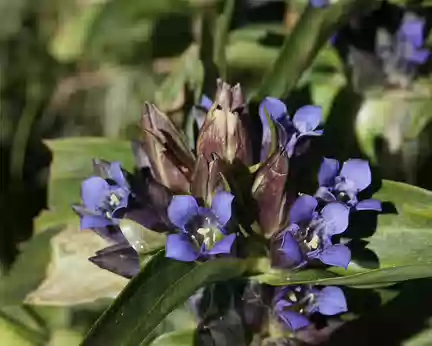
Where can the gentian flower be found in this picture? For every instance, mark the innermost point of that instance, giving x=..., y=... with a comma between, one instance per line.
x=103, y=199
x=202, y=230
x=344, y=184
x=304, y=123
x=308, y=237
x=403, y=52
x=293, y=305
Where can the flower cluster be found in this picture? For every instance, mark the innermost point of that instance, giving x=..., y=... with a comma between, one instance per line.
x=403, y=52
x=233, y=189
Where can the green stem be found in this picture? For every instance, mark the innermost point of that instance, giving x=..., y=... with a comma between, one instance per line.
x=22, y=135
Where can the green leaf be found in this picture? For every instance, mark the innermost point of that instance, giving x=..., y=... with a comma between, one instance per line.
x=70, y=278
x=28, y=271
x=301, y=46
x=72, y=163
x=221, y=36
x=401, y=241
x=177, y=338
x=156, y=291
x=188, y=72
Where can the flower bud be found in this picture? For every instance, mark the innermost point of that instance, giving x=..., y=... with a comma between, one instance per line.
x=207, y=179
x=270, y=193
x=225, y=131
x=171, y=160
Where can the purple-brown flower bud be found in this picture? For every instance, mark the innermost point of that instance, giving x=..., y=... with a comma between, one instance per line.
x=225, y=131
x=270, y=193
x=172, y=162
x=207, y=179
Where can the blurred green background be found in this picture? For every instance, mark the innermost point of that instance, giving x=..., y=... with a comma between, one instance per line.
x=80, y=69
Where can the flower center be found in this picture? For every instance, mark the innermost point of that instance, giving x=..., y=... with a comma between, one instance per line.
x=203, y=230
x=112, y=201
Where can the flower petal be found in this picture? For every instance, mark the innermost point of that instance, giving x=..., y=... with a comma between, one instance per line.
x=93, y=192
x=328, y=171
x=419, y=56
x=307, y=118
x=331, y=301
x=206, y=102
x=324, y=194
x=293, y=320
x=276, y=110
x=95, y=221
x=221, y=206
x=275, y=107
x=116, y=174
x=337, y=255
x=412, y=29
x=179, y=247
x=302, y=209
x=369, y=204
x=291, y=250
x=336, y=216
x=181, y=210
x=358, y=171
x=223, y=246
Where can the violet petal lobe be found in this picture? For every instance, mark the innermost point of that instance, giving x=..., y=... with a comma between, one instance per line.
x=328, y=171
x=95, y=221
x=116, y=173
x=179, y=247
x=181, y=209
x=336, y=255
x=221, y=206
x=302, y=209
x=331, y=301
x=420, y=56
x=275, y=108
x=412, y=29
x=206, y=102
x=369, y=204
x=223, y=246
x=307, y=118
x=93, y=192
x=291, y=249
x=293, y=320
x=336, y=216
x=358, y=171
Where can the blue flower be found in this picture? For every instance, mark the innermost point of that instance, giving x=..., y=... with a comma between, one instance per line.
x=103, y=199
x=308, y=237
x=293, y=305
x=344, y=184
x=304, y=123
x=403, y=52
x=202, y=230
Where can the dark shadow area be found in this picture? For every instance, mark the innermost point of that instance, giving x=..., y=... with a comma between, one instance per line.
x=21, y=201
x=400, y=319
x=362, y=256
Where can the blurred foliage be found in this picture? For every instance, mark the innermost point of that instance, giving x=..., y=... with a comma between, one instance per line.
x=83, y=68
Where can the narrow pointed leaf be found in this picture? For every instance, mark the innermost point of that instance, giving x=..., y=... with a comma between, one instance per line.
x=156, y=291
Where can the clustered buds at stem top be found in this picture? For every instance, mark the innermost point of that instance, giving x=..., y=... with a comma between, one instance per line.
x=204, y=203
